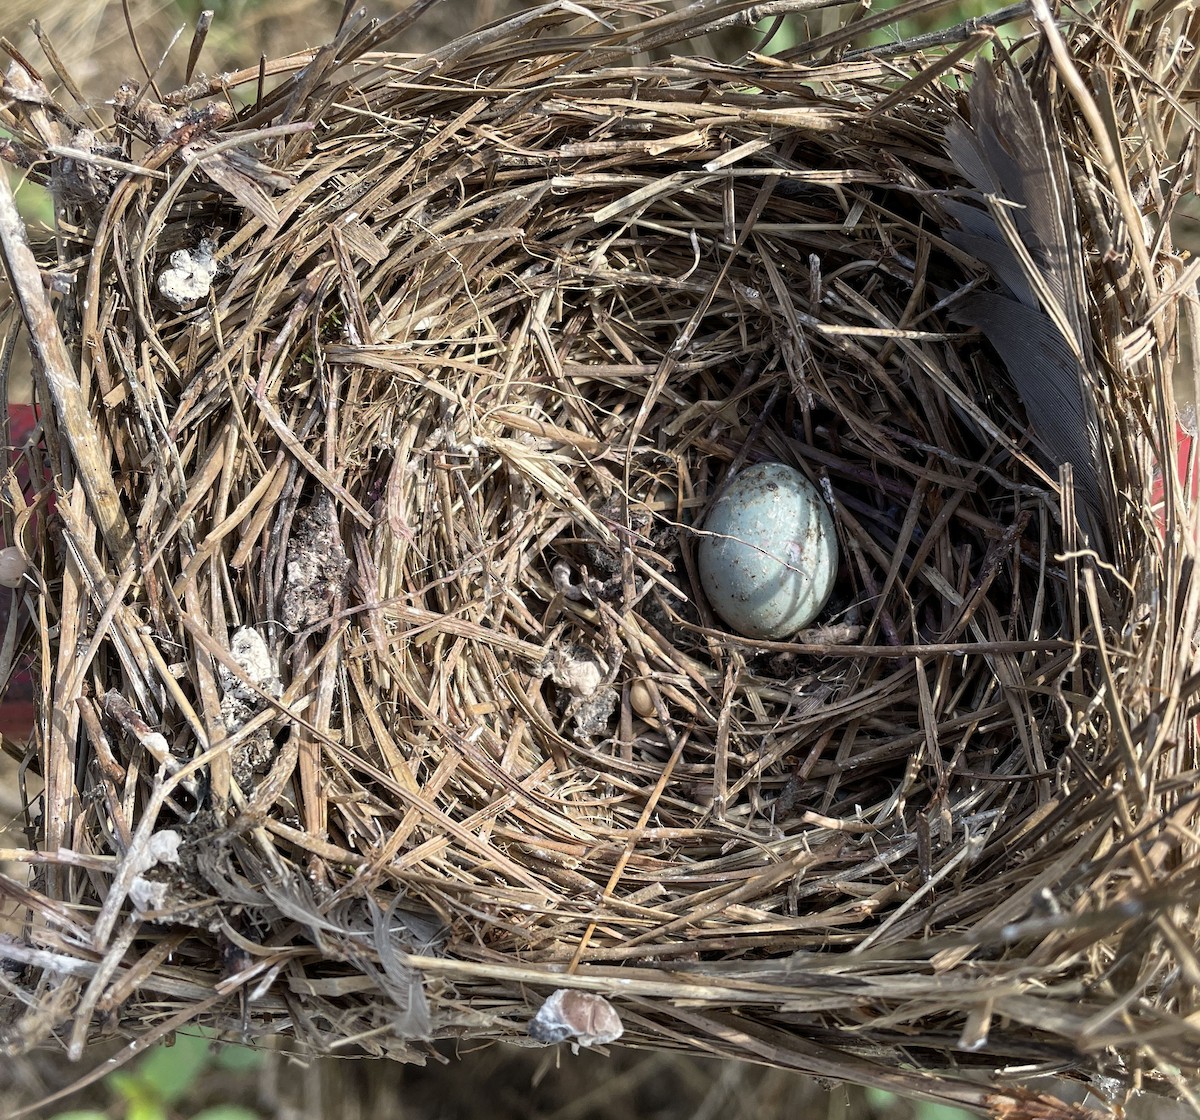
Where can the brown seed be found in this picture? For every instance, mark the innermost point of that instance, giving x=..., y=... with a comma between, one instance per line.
x=590, y=1019
x=641, y=699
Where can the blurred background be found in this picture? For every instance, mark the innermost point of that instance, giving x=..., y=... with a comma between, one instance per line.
x=198, y=1077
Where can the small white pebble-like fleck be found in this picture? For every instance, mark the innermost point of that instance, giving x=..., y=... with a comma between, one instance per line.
x=768, y=554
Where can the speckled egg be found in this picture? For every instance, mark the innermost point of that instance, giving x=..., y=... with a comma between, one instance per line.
x=768, y=554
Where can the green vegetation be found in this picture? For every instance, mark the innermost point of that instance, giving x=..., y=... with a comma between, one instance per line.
x=33, y=201
x=183, y=1081
x=160, y=1085
x=794, y=30
x=883, y=1103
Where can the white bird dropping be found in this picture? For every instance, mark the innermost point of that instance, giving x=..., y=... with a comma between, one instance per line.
x=768, y=556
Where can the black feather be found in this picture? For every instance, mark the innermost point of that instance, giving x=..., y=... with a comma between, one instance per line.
x=1025, y=232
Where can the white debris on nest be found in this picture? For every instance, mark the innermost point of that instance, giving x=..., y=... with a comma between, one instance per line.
x=242, y=699
x=585, y=692
x=250, y=651
x=161, y=847
x=317, y=567
x=148, y=895
x=189, y=275
x=575, y=667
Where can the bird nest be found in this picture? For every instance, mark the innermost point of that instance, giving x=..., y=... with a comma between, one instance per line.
x=380, y=702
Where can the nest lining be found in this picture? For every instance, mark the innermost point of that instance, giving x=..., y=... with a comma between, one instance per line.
x=401, y=633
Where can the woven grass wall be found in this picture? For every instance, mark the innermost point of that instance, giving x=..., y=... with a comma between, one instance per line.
x=384, y=398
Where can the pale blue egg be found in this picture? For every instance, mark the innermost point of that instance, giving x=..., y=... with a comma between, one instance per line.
x=768, y=554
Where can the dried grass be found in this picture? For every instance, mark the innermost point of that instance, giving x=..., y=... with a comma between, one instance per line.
x=355, y=567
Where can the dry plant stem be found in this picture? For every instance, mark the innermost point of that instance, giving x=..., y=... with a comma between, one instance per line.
x=58, y=378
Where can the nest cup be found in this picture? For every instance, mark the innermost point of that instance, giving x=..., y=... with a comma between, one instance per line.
x=380, y=698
